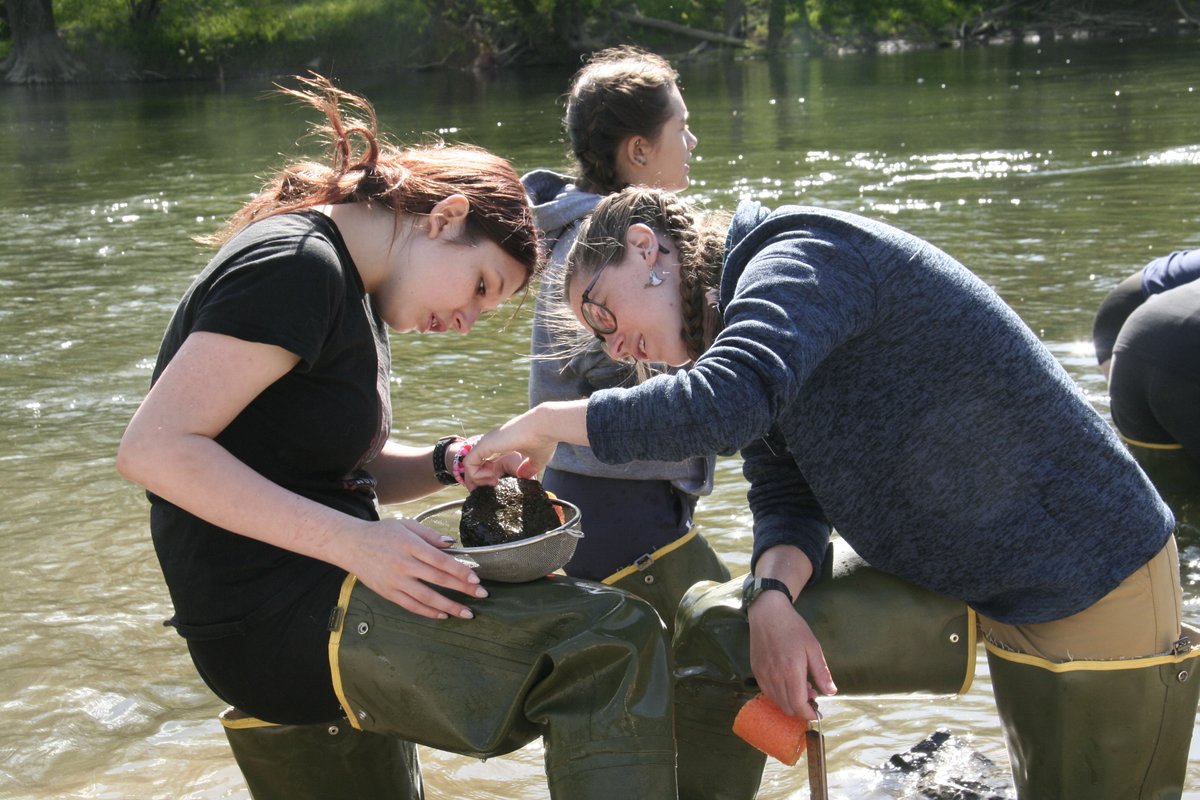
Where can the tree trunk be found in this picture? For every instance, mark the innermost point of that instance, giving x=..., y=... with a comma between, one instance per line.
x=143, y=12
x=735, y=22
x=776, y=20
x=38, y=55
x=675, y=27
x=568, y=21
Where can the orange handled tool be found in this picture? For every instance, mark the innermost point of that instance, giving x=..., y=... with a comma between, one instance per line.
x=764, y=725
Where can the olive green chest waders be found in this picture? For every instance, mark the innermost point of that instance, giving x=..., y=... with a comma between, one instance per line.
x=1098, y=730
x=321, y=762
x=579, y=664
x=880, y=635
x=663, y=577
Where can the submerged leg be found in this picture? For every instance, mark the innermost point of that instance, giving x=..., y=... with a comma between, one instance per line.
x=316, y=762
x=1097, y=730
x=1086, y=713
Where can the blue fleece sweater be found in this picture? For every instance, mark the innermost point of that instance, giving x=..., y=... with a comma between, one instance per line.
x=873, y=383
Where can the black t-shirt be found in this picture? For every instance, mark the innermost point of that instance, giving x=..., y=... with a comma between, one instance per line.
x=289, y=281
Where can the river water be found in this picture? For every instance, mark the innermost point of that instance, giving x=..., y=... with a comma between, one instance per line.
x=1051, y=169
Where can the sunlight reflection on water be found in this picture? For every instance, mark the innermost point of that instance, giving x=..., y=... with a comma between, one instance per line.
x=1052, y=192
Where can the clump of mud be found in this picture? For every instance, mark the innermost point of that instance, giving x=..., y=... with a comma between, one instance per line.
x=513, y=509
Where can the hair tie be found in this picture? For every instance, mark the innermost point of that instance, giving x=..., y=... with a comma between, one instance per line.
x=458, y=469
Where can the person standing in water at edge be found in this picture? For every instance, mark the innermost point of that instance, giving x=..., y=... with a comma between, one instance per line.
x=875, y=385
x=627, y=124
x=1147, y=338
x=339, y=637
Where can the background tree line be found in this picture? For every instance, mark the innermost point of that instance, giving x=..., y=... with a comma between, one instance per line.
x=64, y=40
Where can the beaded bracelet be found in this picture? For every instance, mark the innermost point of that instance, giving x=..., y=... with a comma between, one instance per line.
x=444, y=476
x=458, y=469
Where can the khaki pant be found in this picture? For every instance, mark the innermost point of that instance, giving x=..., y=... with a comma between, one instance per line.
x=1141, y=617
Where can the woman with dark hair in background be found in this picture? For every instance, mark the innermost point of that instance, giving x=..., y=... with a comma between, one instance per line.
x=628, y=125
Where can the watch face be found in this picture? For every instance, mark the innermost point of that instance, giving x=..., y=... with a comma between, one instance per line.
x=750, y=591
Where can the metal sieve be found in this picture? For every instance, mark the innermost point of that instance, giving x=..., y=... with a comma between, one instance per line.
x=513, y=562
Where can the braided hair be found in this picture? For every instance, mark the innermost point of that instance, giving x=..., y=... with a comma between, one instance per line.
x=700, y=240
x=620, y=92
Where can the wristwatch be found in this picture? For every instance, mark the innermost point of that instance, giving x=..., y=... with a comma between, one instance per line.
x=753, y=587
x=443, y=475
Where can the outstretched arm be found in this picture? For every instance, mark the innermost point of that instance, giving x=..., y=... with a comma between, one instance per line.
x=534, y=435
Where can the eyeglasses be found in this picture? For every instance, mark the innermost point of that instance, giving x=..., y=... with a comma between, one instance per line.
x=598, y=316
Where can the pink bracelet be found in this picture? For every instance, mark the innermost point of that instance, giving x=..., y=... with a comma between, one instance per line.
x=458, y=469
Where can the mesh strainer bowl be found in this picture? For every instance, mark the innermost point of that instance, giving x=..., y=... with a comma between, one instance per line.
x=512, y=562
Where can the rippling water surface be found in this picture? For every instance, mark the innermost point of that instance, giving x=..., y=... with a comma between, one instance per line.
x=1052, y=170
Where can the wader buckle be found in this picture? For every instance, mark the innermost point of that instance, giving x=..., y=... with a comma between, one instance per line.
x=644, y=562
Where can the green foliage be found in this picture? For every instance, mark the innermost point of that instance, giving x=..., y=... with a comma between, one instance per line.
x=867, y=20
x=703, y=14
x=203, y=38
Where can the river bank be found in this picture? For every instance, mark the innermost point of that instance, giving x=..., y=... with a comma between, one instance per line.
x=381, y=38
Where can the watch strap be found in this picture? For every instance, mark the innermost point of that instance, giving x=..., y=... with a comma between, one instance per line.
x=756, y=586
x=773, y=584
x=443, y=475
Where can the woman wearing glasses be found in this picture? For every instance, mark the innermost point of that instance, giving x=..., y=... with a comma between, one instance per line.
x=873, y=384
x=627, y=124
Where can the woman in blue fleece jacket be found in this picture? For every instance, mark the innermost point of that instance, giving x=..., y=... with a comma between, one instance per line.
x=875, y=385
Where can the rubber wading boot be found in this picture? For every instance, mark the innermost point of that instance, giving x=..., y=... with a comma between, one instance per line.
x=663, y=577
x=321, y=762
x=1098, y=730
x=880, y=635
x=581, y=665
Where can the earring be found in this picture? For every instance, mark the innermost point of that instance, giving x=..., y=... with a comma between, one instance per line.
x=654, y=280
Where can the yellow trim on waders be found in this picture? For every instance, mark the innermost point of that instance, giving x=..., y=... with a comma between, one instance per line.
x=647, y=560
x=1090, y=665
x=236, y=720
x=1148, y=445
x=335, y=643
x=972, y=642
